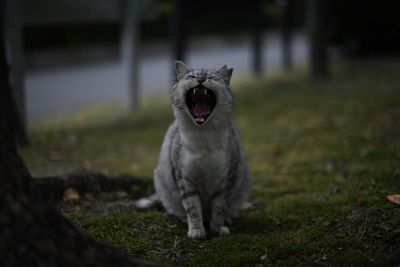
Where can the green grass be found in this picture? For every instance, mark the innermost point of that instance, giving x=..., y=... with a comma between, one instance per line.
x=323, y=156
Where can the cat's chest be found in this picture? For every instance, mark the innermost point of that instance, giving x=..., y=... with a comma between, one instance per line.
x=206, y=159
x=206, y=169
x=206, y=162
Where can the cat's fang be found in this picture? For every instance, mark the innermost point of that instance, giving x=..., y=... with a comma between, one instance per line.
x=200, y=102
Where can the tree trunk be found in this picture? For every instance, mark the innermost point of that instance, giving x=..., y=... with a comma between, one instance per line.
x=178, y=31
x=130, y=40
x=32, y=232
x=317, y=17
x=287, y=33
x=256, y=38
x=16, y=117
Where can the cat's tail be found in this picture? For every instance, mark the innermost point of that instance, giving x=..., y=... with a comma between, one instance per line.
x=147, y=202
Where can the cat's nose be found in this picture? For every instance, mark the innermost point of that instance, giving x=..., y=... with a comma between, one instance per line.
x=201, y=79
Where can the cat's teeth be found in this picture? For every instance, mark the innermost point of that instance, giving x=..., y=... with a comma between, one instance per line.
x=195, y=90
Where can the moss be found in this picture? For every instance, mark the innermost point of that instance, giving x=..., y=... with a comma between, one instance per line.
x=322, y=157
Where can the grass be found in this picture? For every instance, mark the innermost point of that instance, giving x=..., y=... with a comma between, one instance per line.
x=323, y=156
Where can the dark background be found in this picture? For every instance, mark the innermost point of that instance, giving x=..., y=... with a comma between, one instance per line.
x=366, y=28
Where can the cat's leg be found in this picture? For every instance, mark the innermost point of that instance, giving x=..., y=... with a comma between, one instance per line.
x=167, y=189
x=238, y=188
x=218, y=214
x=192, y=204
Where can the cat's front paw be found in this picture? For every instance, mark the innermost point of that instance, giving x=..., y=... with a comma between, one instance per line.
x=197, y=233
x=221, y=230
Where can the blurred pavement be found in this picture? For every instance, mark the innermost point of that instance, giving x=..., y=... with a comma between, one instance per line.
x=60, y=81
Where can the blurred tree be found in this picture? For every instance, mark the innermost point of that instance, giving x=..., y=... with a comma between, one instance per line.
x=367, y=28
x=178, y=31
x=316, y=12
x=129, y=50
x=32, y=232
x=257, y=37
x=12, y=81
x=287, y=31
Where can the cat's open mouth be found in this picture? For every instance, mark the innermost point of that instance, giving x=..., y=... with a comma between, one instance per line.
x=200, y=102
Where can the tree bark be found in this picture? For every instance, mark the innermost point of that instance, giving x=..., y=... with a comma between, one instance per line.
x=32, y=232
x=16, y=117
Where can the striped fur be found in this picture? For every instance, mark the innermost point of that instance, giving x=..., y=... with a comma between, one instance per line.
x=202, y=175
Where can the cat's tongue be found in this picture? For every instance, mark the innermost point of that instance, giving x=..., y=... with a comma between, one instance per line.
x=200, y=110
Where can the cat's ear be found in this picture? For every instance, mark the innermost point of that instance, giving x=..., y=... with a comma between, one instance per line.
x=181, y=69
x=226, y=73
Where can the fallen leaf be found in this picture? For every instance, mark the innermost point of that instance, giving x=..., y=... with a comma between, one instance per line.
x=70, y=195
x=394, y=198
x=250, y=205
x=87, y=165
x=121, y=194
x=134, y=166
x=264, y=257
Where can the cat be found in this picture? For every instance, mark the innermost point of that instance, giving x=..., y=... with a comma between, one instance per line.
x=201, y=176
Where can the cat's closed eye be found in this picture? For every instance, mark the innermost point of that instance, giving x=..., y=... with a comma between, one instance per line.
x=214, y=78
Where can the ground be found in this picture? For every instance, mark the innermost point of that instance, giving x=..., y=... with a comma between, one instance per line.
x=323, y=156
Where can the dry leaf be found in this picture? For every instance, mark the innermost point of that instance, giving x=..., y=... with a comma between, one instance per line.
x=87, y=165
x=70, y=195
x=250, y=205
x=264, y=257
x=394, y=198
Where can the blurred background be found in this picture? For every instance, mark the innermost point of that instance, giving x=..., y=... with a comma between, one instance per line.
x=66, y=55
x=318, y=112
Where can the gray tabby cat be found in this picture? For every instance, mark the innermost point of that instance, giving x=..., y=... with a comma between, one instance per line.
x=202, y=175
